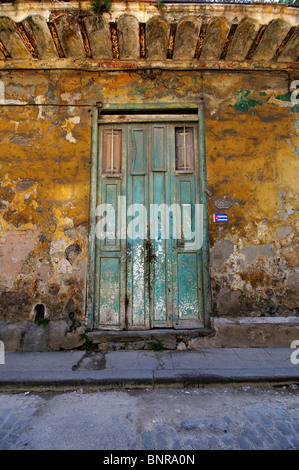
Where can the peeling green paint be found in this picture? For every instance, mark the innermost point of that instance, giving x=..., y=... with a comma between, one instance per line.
x=284, y=97
x=244, y=103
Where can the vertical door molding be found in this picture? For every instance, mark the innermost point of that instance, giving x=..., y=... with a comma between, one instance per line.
x=204, y=202
x=92, y=215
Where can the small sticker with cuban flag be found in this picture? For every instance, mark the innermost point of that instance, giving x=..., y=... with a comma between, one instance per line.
x=219, y=217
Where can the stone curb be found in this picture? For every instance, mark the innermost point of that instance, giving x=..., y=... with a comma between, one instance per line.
x=141, y=379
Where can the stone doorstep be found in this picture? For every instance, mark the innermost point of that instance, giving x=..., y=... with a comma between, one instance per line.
x=217, y=325
x=100, y=336
x=225, y=333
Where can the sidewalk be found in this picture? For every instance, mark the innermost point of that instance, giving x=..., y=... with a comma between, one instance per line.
x=24, y=371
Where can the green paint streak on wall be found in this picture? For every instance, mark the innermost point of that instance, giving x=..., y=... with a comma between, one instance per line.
x=287, y=97
x=140, y=91
x=244, y=103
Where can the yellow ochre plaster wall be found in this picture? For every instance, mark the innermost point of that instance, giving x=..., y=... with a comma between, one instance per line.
x=252, y=147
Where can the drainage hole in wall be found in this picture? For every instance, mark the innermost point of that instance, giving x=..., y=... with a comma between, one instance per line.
x=39, y=312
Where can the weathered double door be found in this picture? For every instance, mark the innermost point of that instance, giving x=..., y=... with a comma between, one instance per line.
x=145, y=274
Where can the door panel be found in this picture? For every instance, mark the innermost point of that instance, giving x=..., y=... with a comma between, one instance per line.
x=159, y=148
x=139, y=151
x=188, y=286
x=112, y=150
x=110, y=263
x=159, y=245
x=161, y=249
x=110, y=292
x=111, y=190
x=137, y=193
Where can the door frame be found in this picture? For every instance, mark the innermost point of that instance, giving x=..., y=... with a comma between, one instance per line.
x=144, y=108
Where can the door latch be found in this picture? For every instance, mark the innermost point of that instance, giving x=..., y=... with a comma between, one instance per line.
x=149, y=251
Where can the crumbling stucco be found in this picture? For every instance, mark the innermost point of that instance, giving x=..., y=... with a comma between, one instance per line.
x=44, y=173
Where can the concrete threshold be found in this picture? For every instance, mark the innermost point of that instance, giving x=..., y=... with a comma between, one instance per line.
x=147, y=333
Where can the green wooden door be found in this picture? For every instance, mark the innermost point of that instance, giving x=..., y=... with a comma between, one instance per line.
x=147, y=276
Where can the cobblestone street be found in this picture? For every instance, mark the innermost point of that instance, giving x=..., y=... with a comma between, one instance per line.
x=161, y=419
